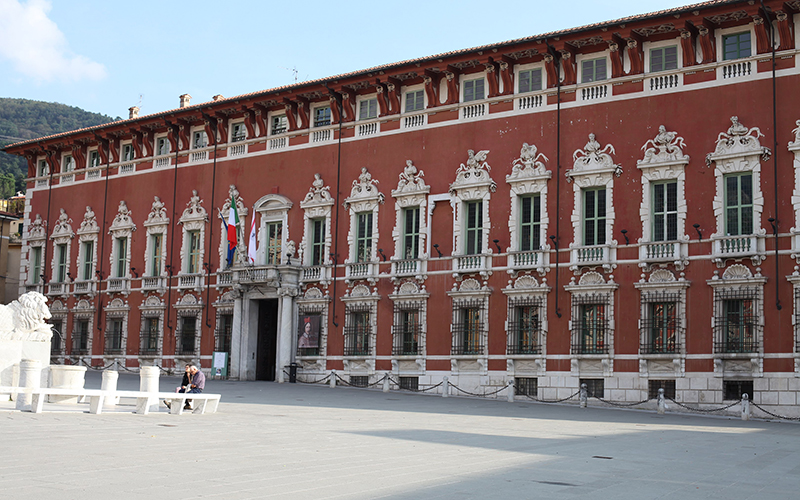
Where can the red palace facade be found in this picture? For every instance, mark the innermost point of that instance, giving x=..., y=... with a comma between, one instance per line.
x=616, y=204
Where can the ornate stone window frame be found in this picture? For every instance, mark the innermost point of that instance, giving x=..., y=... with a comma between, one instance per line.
x=360, y=299
x=364, y=197
x=117, y=309
x=59, y=312
x=314, y=301
x=62, y=235
x=241, y=246
x=317, y=204
x=738, y=151
x=410, y=295
x=469, y=292
x=593, y=167
x=738, y=277
x=794, y=148
x=224, y=305
x=194, y=218
x=36, y=231
x=88, y=232
x=157, y=223
x=528, y=177
x=593, y=284
x=527, y=289
x=84, y=310
x=273, y=208
x=662, y=283
x=152, y=308
x=411, y=192
x=121, y=227
x=472, y=183
x=189, y=306
x=794, y=279
x=663, y=161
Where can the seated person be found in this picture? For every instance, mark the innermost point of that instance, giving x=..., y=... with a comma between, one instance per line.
x=196, y=386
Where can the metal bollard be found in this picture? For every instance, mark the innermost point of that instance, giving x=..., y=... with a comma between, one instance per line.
x=510, y=390
x=445, y=387
x=584, y=395
x=662, y=403
x=386, y=383
x=333, y=379
x=745, y=407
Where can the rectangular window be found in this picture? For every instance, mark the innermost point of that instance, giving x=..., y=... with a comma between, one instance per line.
x=368, y=109
x=654, y=385
x=595, y=387
x=364, y=237
x=194, y=252
x=88, y=259
x=473, y=90
x=474, y=227
x=322, y=116
x=409, y=383
x=155, y=254
x=665, y=211
x=594, y=216
x=150, y=336
x=36, y=265
x=524, y=328
x=411, y=233
x=162, y=146
x=736, y=46
x=738, y=325
x=42, y=169
x=526, y=386
x=663, y=59
x=224, y=330
x=80, y=339
x=406, y=331
x=278, y=124
x=415, y=101
x=593, y=329
x=69, y=163
x=127, y=152
x=199, y=139
x=357, y=338
x=94, y=159
x=122, y=257
x=114, y=336
x=739, y=204
x=317, y=242
x=55, y=341
x=734, y=389
x=188, y=332
x=274, y=242
x=663, y=328
x=61, y=270
x=529, y=80
x=471, y=336
x=530, y=222
x=238, y=132
x=593, y=70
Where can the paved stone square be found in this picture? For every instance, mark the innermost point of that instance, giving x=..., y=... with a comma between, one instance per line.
x=298, y=441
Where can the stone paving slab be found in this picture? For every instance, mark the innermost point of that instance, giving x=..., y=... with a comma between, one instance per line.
x=301, y=441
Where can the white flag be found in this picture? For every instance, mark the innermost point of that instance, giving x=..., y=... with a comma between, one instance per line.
x=251, y=245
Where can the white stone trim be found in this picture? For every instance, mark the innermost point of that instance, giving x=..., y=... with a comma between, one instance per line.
x=272, y=208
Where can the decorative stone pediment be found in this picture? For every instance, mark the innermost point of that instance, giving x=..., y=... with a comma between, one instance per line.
x=661, y=276
x=122, y=223
x=472, y=179
x=469, y=285
x=189, y=301
x=360, y=291
x=158, y=214
x=194, y=211
x=83, y=305
x=89, y=223
x=37, y=229
x=410, y=182
x=364, y=194
x=62, y=230
x=592, y=278
x=795, y=145
x=318, y=194
x=737, y=272
x=739, y=141
x=152, y=302
x=233, y=194
x=117, y=306
x=525, y=282
x=666, y=148
x=529, y=165
x=592, y=281
x=593, y=160
x=408, y=288
x=313, y=293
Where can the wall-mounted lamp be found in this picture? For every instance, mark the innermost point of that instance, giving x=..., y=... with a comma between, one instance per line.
x=625, y=234
x=436, y=247
x=168, y=268
x=135, y=274
x=383, y=257
x=497, y=244
x=699, y=234
x=69, y=275
x=207, y=267
x=99, y=275
x=774, y=226
x=553, y=239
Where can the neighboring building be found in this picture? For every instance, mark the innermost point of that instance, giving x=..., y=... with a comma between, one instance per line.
x=10, y=248
x=576, y=206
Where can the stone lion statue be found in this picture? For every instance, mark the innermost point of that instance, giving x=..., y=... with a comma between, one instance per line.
x=25, y=319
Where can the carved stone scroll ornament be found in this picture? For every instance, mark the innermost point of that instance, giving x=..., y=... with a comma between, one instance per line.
x=37, y=228
x=89, y=223
x=593, y=158
x=529, y=161
x=410, y=179
x=663, y=148
x=365, y=186
x=318, y=191
x=796, y=133
x=158, y=213
x=26, y=319
x=739, y=140
x=63, y=226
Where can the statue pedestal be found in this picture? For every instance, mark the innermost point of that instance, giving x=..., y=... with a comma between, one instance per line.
x=12, y=352
x=66, y=377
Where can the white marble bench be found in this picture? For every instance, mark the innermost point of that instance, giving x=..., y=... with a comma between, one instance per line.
x=144, y=400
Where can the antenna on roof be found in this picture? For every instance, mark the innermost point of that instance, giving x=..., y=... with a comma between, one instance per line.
x=293, y=69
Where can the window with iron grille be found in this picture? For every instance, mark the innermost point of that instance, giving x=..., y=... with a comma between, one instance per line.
x=590, y=323
x=738, y=204
x=407, y=327
x=468, y=329
x=187, y=334
x=734, y=389
x=114, y=336
x=594, y=216
x=57, y=326
x=357, y=331
x=526, y=386
x=595, y=387
x=364, y=237
x=359, y=380
x=530, y=222
x=80, y=337
x=322, y=116
x=278, y=124
x=654, y=385
x=797, y=318
x=317, y=242
x=530, y=80
x=411, y=233
x=665, y=211
x=409, y=383
x=474, y=227
x=274, y=242
x=736, y=325
x=661, y=332
x=149, y=336
x=524, y=326
x=224, y=330
x=238, y=132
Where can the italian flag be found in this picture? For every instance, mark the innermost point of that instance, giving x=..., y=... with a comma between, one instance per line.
x=233, y=224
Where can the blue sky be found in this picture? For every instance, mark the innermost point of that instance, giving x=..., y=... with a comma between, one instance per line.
x=102, y=55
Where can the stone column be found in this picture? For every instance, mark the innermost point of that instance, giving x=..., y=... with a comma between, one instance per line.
x=148, y=382
x=30, y=377
x=290, y=277
x=66, y=377
x=109, y=383
x=236, y=339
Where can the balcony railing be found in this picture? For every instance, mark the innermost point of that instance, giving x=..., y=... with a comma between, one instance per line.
x=735, y=246
x=66, y=179
x=359, y=270
x=117, y=284
x=592, y=93
x=407, y=267
x=237, y=150
x=737, y=69
x=473, y=110
x=162, y=162
x=660, y=251
x=321, y=135
x=367, y=129
x=56, y=288
x=530, y=101
x=127, y=168
x=41, y=183
x=93, y=174
x=278, y=143
x=152, y=282
x=526, y=260
x=470, y=263
x=256, y=274
x=414, y=121
x=196, y=156
x=224, y=278
x=84, y=287
x=663, y=82
x=190, y=280
x=313, y=273
x=591, y=256
x=33, y=288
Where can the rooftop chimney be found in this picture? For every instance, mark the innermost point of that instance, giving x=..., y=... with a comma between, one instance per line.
x=218, y=97
x=133, y=112
x=185, y=98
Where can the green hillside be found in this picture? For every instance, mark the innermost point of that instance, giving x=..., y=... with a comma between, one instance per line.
x=22, y=119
